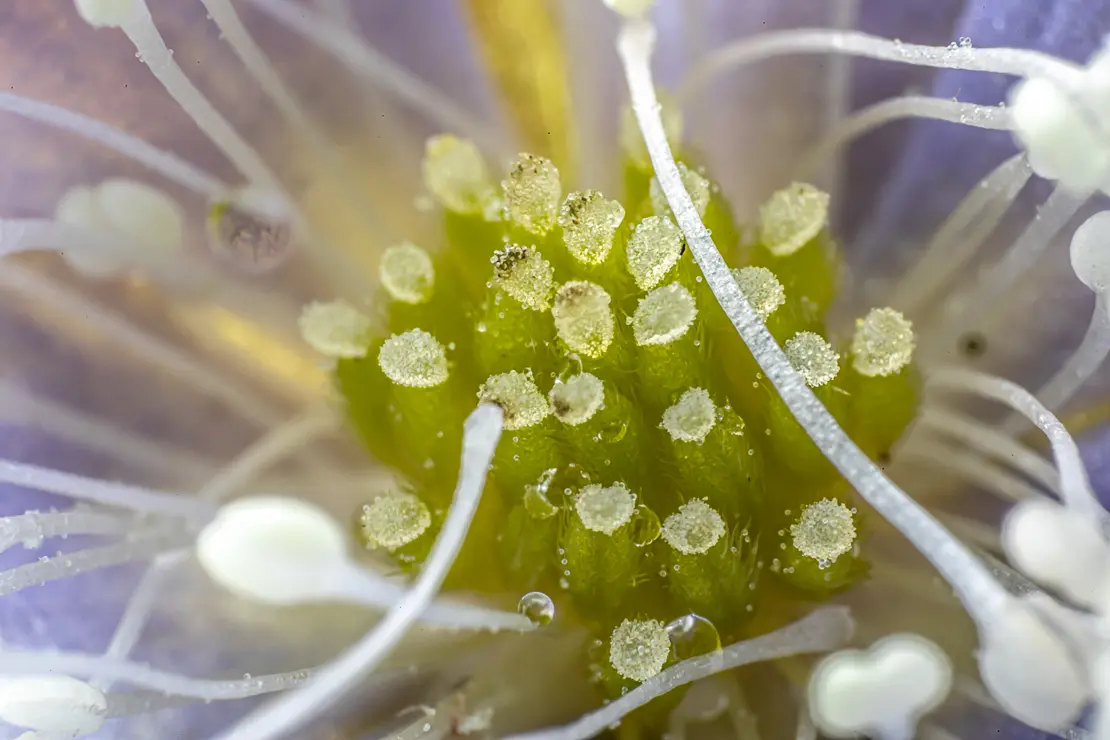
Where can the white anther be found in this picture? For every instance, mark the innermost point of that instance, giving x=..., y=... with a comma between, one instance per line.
x=654, y=248
x=455, y=173
x=664, y=315
x=694, y=529
x=584, y=318
x=106, y=13
x=1029, y=670
x=638, y=649
x=407, y=273
x=696, y=185
x=576, y=401
x=1058, y=547
x=335, y=329
x=532, y=193
x=792, y=218
x=881, y=692
x=524, y=274
x=692, y=417
x=1090, y=252
x=393, y=520
x=762, y=289
x=519, y=399
x=414, y=359
x=605, y=509
x=52, y=704
x=274, y=550
x=813, y=357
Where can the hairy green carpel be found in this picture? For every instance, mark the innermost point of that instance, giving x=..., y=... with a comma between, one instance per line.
x=648, y=473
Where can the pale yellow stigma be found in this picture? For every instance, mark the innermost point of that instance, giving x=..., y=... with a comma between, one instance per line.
x=335, y=329
x=664, y=315
x=456, y=174
x=696, y=185
x=414, y=359
x=393, y=520
x=762, y=289
x=824, y=531
x=583, y=318
x=519, y=398
x=590, y=223
x=653, y=250
x=638, y=649
x=883, y=343
x=814, y=358
x=532, y=192
x=692, y=418
x=605, y=509
x=524, y=274
x=694, y=528
x=578, y=399
x=792, y=218
x=407, y=273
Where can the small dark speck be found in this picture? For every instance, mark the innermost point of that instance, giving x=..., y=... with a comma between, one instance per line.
x=973, y=345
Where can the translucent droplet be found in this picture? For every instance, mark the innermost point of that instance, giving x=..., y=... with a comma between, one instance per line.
x=692, y=635
x=645, y=526
x=538, y=607
x=247, y=242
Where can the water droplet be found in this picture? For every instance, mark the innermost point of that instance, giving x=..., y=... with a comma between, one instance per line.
x=246, y=241
x=613, y=432
x=692, y=635
x=564, y=584
x=645, y=526
x=538, y=607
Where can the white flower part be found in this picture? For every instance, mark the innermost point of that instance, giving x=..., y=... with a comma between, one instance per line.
x=762, y=289
x=881, y=692
x=576, y=401
x=654, y=248
x=664, y=315
x=630, y=8
x=638, y=649
x=883, y=343
x=1030, y=671
x=407, y=273
x=692, y=417
x=792, y=218
x=694, y=529
x=813, y=358
x=393, y=520
x=415, y=359
x=584, y=318
x=632, y=141
x=605, y=509
x=524, y=274
x=52, y=704
x=272, y=549
x=590, y=224
x=1090, y=252
x=335, y=329
x=479, y=720
x=1060, y=548
x=696, y=185
x=106, y=13
x=519, y=399
x=824, y=531
x=532, y=192
x=456, y=174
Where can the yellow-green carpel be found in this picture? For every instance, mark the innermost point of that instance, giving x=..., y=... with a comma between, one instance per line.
x=647, y=475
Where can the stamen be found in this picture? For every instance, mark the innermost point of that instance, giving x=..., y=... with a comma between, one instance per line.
x=664, y=315
x=455, y=173
x=518, y=397
x=532, y=192
x=822, y=630
x=414, y=359
x=336, y=329
x=52, y=704
x=481, y=435
x=653, y=250
x=524, y=274
x=956, y=459
x=583, y=318
x=692, y=417
x=825, y=531
x=32, y=527
x=638, y=649
x=407, y=273
x=590, y=224
x=883, y=343
x=696, y=185
x=393, y=520
x=761, y=289
x=813, y=358
x=605, y=509
x=792, y=217
x=694, y=529
x=576, y=401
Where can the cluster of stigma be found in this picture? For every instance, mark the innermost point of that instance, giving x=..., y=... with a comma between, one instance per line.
x=627, y=413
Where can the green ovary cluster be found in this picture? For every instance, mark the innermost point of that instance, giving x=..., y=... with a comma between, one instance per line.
x=648, y=471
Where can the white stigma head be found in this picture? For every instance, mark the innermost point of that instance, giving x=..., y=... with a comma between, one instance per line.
x=519, y=399
x=694, y=529
x=52, y=704
x=883, y=343
x=272, y=549
x=605, y=509
x=414, y=359
x=407, y=273
x=393, y=520
x=638, y=649
x=882, y=691
x=576, y=401
x=696, y=185
x=692, y=417
x=583, y=318
x=532, y=192
x=1090, y=252
x=590, y=224
x=664, y=315
x=654, y=248
x=762, y=289
x=814, y=358
x=456, y=174
x=525, y=275
x=792, y=218
x=106, y=13
x=335, y=329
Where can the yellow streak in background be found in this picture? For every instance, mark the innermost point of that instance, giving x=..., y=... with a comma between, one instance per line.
x=524, y=51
